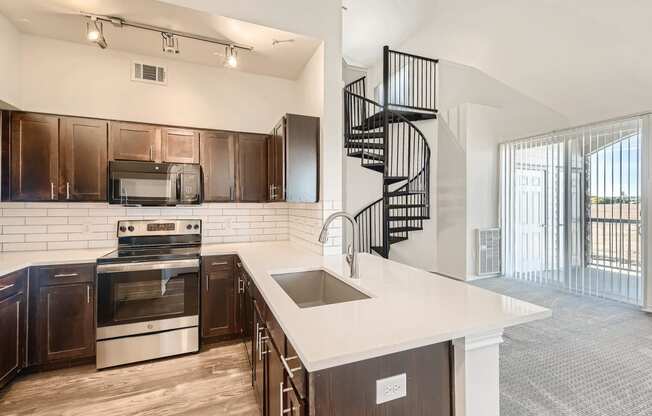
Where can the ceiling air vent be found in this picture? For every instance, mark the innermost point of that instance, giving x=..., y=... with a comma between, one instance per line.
x=488, y=252
x=149, y=73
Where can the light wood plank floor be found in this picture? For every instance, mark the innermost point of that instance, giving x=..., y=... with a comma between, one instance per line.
x=213, y=382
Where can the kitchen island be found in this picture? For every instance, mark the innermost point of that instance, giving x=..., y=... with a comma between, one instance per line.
x=407, y=310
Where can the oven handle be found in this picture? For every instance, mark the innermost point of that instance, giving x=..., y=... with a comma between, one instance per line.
x=135, y=267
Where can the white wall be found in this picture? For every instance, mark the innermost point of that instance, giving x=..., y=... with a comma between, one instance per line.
x=86, y=81
x=9, y=70
x=320, y=20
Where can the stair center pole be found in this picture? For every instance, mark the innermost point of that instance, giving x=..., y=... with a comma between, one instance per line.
x=386, y=154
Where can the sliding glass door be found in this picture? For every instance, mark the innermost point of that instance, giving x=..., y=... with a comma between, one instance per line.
x=571, y=209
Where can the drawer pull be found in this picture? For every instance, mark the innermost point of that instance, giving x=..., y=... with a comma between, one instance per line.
x=282, y=390
x=60, y=275
x=289, y=370
x=219, y=263
x=6, y=287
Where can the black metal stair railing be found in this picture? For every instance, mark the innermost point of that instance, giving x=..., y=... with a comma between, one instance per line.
x=386, y=140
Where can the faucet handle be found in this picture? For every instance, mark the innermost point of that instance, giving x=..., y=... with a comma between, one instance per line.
x=349, y=253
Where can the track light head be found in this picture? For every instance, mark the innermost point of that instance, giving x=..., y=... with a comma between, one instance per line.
x=95, y=32
x=231, y=57
x=170, y=43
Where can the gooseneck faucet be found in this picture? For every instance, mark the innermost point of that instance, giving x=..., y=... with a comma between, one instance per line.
x=351, y=250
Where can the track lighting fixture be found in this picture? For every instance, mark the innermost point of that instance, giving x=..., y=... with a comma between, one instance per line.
x=170, y=43
x=169, y=38
x=231, y=57
x=95, y=32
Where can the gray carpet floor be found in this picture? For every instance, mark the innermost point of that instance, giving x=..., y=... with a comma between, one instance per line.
x=592, y=358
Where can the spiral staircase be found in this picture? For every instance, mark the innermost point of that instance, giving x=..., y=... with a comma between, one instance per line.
x=386, y=140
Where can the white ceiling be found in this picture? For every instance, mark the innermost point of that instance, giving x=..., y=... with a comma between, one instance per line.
x=60, y=19
x=586, y=59
x=368, y=25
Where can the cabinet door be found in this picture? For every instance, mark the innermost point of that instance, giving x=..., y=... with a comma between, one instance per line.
x=260, y=362
x=130, y=141
x=180, y=145
x=83, y=159
x=67, y=321
x=12, y=328
x=218, y=164
x=276, y=163
x=252, y=167
x=276, y=383
x=302, y=158
x=218, y=303
x=34, y=157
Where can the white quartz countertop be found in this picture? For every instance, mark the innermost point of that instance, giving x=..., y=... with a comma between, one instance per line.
x=408, y=308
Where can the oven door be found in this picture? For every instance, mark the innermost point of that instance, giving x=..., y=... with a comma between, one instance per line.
x=129, y=294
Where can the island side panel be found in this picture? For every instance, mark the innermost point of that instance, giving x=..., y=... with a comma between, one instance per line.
x=477, y=374
x=351, y=389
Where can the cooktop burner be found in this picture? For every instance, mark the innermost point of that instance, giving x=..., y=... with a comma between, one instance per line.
x=152, y=240
x=150, y=254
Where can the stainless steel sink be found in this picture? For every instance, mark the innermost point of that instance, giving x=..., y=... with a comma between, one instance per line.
x=316, y=288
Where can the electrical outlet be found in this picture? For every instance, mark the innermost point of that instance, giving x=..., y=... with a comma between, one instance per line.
x=391, y=388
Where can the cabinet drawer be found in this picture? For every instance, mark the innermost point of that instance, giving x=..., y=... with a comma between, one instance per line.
x=218, y=263
x=12, y=283
x=65, y=274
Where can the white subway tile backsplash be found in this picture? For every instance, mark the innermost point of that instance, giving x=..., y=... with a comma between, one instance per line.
x=44, y=220
x=70, y=228
x=23, y=212
x=12, y=238
x=67, y=245
x=12, y=220
x=46, y=237
x=68, y=212
x=24, y=229
x=24, y=246
x=88, y=220
x=56, y=226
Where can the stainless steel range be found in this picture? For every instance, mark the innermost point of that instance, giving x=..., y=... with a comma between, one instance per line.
x=148, y=292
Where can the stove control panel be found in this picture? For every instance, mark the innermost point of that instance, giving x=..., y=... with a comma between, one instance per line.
x=143, y=228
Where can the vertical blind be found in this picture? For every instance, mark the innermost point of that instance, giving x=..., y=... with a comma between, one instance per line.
x=571, y=205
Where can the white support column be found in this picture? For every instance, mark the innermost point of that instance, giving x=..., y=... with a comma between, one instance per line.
x=477, y=374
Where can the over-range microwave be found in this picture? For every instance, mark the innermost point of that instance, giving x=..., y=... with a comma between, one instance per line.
x=154, y=184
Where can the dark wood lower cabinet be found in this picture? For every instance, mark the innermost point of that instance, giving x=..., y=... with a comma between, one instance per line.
x=62, y=314
x=218, y=297
x=13, y=321
x=66, y=318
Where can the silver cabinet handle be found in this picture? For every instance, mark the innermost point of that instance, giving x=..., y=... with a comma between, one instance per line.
x=219, y=263
x=6, y=287
x=258, y=340
x=289, y=370
x=88, y=294
x=207, y=284
x=67, y=190
x=51, y=190
x=62, y=275
x=281, y=391
x=261, y=353
x=230, y=192
x=151, y=152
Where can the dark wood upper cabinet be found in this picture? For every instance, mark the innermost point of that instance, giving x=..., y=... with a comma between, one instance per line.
x=252, y=167
x=83, y=159
x=301, y=158
x=66, y=319
x=276, y=163
x=293, y=160
x=131, y=141
x=13, y=323
x=218, y=165
x=218, y=298
x=179, y=145
x=34, y=157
